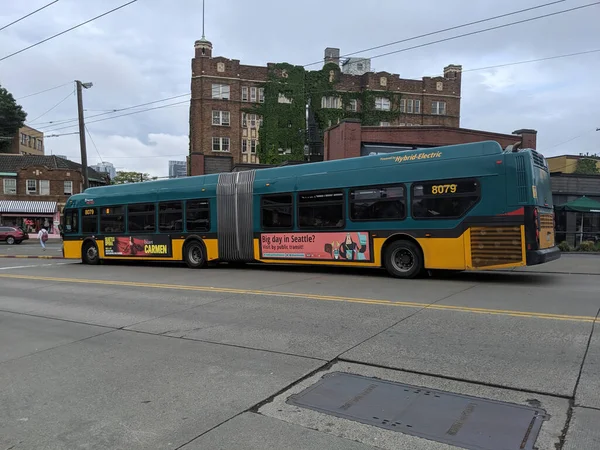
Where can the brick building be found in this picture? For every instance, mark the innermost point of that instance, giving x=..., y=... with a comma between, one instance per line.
x=34, y=189
x=224, y=132
x=27, y=141
x=349, y=139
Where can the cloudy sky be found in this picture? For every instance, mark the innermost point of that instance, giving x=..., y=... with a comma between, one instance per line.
x=142, y=54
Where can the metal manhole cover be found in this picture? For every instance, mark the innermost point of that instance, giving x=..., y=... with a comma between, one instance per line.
x=459, y=420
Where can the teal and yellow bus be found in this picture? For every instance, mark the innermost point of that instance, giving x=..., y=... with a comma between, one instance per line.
x=461, y=207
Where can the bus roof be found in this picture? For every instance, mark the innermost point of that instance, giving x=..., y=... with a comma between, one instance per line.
x=152, y=190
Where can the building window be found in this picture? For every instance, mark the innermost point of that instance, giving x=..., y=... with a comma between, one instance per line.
x=382, y=103
x=220, y=91
x=220, y=144
x=89, y=221
x=378, y=203
x=221, y=118
x=276, y=211
x=384, y=124
x=383, y=81
x=44, y=187
x=220, y=67
x=283, y=99
x=33, y=142
x=417, y=106
x=10, y=186
x=23, y=139
x=252, y=119
x=353, y=105
x=253, y=146
x=321, y=210
x=40, y=146
x=244, y=123
x=444, y=199
x=253, y=94
x=112, y=220
x=244, y=145
x=244, y=93
x=31, y=187
x=359, y=66
x=438, y=108
x=170, y=217
x=197, y=215
x=261, y=95
x=439, y=86
x=68, y=188
x=331, y=102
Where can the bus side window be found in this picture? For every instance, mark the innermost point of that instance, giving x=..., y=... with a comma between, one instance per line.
x=71, y=221
x=197, y=215
x=276, y=211
x=321, y=209
x=89, y=221
x=141, y=217
x=112, y=219
x=170, y=216
x=378, y=203
x=444, y=199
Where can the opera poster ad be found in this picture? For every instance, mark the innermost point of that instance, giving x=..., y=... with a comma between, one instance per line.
x=330, y=246
x=138, y=246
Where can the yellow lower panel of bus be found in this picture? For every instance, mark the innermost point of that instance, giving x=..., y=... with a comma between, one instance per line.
x=72, y=250
x=546, y=231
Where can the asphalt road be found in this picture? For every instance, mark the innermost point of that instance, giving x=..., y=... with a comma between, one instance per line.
x=162, y=357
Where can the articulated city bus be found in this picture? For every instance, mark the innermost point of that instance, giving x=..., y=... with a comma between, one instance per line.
x=461, y=207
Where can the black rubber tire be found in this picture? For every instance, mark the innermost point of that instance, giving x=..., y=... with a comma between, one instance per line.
x=194, y=254
x=10, y=240
x=412, y=255
x=90, y=254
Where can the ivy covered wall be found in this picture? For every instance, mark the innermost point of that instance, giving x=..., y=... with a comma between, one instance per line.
x=289, y=89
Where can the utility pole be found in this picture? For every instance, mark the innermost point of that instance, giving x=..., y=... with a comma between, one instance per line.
x=84, y=172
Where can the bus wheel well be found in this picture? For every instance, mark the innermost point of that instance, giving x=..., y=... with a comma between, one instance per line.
x=201, y=257
x=395, y=238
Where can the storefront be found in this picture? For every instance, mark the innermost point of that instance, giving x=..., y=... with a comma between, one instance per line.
x=30, y=215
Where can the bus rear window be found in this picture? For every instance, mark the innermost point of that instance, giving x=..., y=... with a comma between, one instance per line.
x=444, y=199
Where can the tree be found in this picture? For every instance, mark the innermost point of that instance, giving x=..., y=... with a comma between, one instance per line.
x=123, y=177
x=12, y=117
x=588, y=165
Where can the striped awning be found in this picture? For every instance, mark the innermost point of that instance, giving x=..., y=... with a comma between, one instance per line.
x=27, y=207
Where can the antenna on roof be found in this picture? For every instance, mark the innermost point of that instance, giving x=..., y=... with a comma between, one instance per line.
x=203, y=19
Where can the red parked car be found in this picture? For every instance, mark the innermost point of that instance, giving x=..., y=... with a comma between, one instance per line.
x=12, y=235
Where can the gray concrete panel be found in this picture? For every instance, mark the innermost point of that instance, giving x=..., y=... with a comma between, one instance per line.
x=126, y=390
x=505, y=351
x=588, y=390
x=584, y=433
x=256, y=432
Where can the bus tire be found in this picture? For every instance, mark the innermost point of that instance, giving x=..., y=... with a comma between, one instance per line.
x=403, y=259
x=90, y=254
x=194, y=254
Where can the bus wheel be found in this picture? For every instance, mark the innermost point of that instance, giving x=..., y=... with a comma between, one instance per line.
x=403, y=259
x=89, y=254
x=194, y=255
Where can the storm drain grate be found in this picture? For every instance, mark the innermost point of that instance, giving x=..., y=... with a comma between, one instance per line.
x=460, y=420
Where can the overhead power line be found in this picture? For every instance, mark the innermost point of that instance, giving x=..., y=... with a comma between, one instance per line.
x=30, y=14
x=45, y=90
x=444, y=30
x=92, y=139
x=65, y=121
x=63, y=100
x=485, y=30
x=66, y=31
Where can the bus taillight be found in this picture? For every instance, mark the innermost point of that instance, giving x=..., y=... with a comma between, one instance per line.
x=536, y=221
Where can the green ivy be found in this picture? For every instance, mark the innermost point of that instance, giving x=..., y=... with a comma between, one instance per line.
x=284, y=124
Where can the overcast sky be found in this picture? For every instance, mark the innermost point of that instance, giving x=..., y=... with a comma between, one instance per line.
x=142, y=53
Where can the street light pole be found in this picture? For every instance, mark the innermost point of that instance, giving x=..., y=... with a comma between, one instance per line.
x=82, y=145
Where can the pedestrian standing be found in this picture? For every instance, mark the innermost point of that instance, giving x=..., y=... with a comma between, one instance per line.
x=43, y=237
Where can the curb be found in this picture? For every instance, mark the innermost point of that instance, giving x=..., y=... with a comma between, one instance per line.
x=31, y=257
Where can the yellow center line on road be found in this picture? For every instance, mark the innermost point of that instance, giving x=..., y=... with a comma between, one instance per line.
x=301, y=295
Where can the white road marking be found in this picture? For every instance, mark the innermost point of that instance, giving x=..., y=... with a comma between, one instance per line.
x=32, y=265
